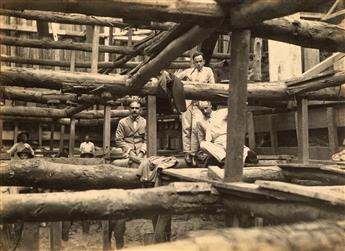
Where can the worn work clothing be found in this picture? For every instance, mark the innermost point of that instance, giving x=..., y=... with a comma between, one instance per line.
x=87, y=147
x=131, y=136
x=20, y=147
x=193, y=113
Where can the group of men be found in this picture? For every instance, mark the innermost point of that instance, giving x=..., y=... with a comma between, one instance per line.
x=203, y=131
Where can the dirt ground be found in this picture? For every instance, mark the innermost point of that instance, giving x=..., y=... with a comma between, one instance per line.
x=135, y=231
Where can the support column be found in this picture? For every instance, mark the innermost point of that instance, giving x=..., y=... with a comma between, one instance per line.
x=40, y=134
x=52, y=129
x=273, y=133
x=237, y=105
x=251, y=131
x=1, y=130
x=302, y=130
x=71, y=138
x=62, y=137
x=151, y=126
x=332, y=130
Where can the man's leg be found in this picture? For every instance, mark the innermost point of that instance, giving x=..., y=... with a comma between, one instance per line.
x=186, y=121
x=214, y=150
x=119, y=228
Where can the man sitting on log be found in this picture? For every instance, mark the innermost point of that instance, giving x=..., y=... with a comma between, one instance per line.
x=131, y=132
x=87, y=148
x=214, y=143
x=22, y=150
x=131, y=138
x=202, y=74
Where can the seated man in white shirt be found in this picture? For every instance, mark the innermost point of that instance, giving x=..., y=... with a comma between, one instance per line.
x=215, y=139
x=87, y=148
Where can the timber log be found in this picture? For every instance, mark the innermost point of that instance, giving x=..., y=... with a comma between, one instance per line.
x=118, y=85
x=176, y=198
x=324, y=235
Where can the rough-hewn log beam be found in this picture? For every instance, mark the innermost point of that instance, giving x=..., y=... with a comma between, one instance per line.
x=34, y=173
x=49, y=44
x=309, y=34
x=67, y=18
x=87, y=64
x=327, y=236
x=56, y=113
x=208, y=12
x=42, y=173
x=81, y=82
x=177, y=198
x=28, y=95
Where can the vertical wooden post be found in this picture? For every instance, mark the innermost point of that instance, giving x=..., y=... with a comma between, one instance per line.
x=332, y=130
x=62, y=137
x=302, y=130
x=52, y=129
x=273, y=133
x=55, y=235
x=251, y=130
x=71, y=138
x=15, y=132
x=1, y=131
x=95, y=49
x=106, y=148
x=40, y=134
x=237, y=105
x=72, y=63
x=257, y=59
x=151, y=126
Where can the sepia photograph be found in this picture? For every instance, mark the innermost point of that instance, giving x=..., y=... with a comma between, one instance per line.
x=168, y=125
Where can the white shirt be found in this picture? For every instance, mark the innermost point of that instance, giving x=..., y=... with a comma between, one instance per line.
x=87, y=147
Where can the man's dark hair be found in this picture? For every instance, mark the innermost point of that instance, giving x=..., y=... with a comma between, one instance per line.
x=197, y=53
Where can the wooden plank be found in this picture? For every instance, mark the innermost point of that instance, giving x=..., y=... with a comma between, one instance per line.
x=332, y=131
x=302, y=130
x=273, y=133
x=71, y=138
x=321, y=193
x=55, y=236
x=237, y=105
x=151, y=126
x=251, y=130
x=328, y=62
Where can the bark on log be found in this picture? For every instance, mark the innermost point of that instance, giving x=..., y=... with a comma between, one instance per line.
x=325, y=235
x=309, y=34
x=67, y=18
x=176, y=198
x=56, y=113
x=65, y=121
x=49, y=44
x=41, y=173
x=117, y=85
x=38, y=96
x=87, y=64
x=207, y=12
